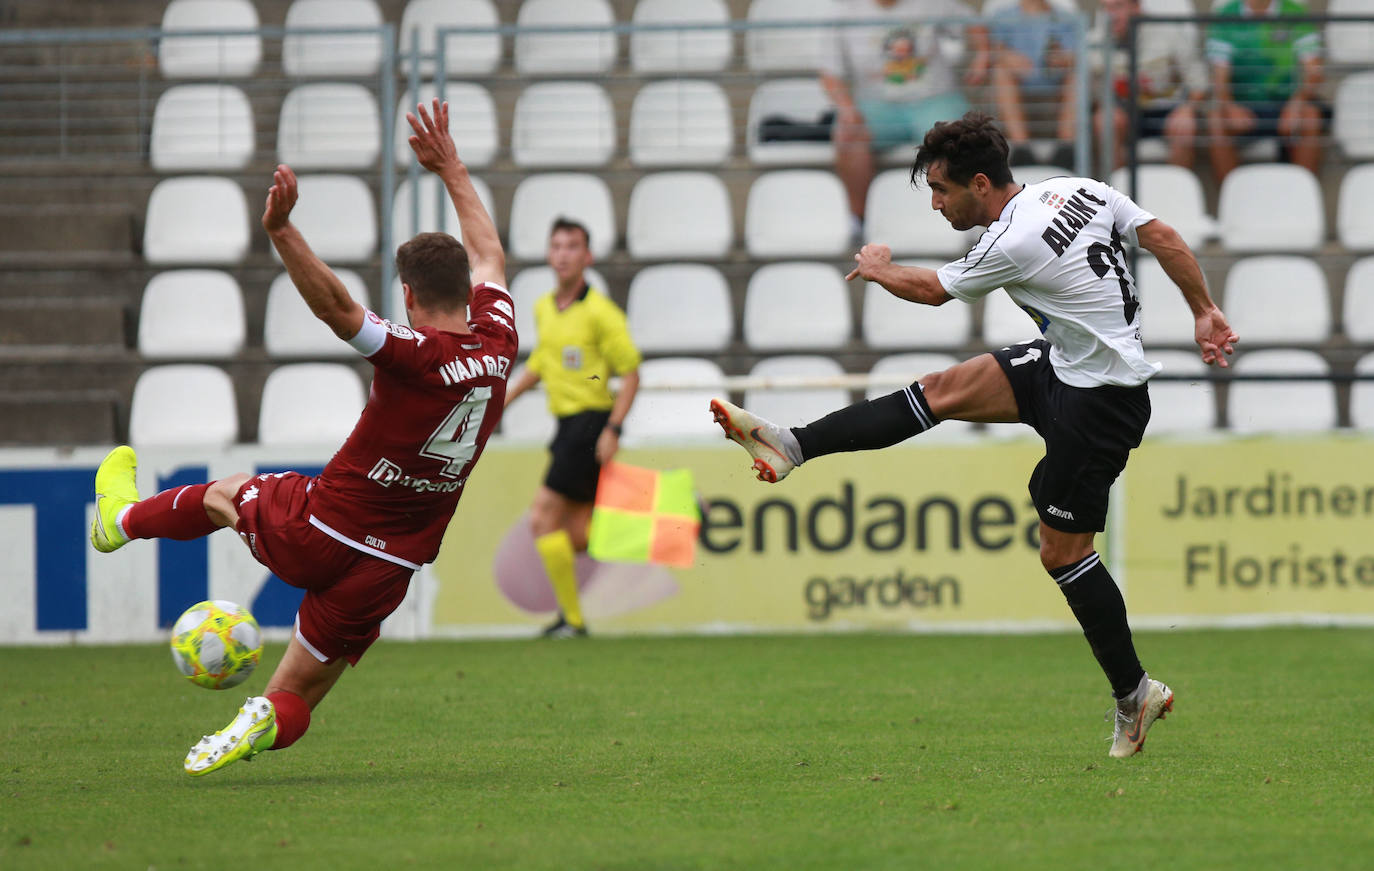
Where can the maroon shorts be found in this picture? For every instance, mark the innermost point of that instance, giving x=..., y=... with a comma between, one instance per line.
x=347, y=592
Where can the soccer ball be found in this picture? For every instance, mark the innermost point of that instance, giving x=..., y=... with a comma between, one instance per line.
x=216, y=644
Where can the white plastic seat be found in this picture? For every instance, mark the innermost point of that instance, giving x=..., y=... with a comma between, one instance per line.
x=797, y=213
x=191, y=314
x=1349, y=42
x=436, y=211
x=181, y=57
x=1357, y=314
x=1352, y=116
x=464, y=53
x=680, y=51
x=196, y=219
x=899, y=215
x=680, y=122
x=1277, y=299
x=1004, y=322
x=183, y=404
x=563, y=124
x=310, y=403
x=1165, y=318
x=679, y=214
x=208, y=127
x=343, y=54
x=1362, y=395
x=539, y=199
x=1281, y=406
x=329, y=126
x=770, y=49
x=471, y=121
x=528, y=286
x=290, y=329
x=1251, y=220
x=1174, y=193
x=1034, y=173
x=890, y=322
x=798, y=100
x=527, y=418
x=1181, y=406
x=678, y=307
x=1354, y=218
x=337, y=216
x=795, y=406
x=584, y=52
x=681, y=414
x=796, y=305
x=902, y=369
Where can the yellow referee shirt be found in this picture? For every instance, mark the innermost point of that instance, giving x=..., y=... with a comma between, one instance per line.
x=578, y=350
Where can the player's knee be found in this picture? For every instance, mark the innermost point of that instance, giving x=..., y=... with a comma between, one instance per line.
x=219, y=499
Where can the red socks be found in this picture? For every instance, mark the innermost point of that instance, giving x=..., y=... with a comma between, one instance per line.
x=178, y=513
x=293, y=717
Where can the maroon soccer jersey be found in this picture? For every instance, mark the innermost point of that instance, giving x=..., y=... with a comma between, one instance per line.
x=435, y=399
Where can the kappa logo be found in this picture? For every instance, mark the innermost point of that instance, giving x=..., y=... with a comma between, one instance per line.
x=1052, y=199
x=249, y=495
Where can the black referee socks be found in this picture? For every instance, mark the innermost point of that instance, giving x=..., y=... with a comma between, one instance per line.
x=1101, y=611
x=867, y=426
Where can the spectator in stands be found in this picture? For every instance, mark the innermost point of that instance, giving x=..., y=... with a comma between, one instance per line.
x=891, y=82
x=1265, y=76
x=1171, y=82
x=1033, y=52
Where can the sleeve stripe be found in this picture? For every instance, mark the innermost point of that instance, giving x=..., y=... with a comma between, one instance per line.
x=993, y=242
x=371, y=337
x=491, y=286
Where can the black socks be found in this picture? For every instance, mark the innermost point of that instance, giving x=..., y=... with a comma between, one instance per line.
x=1101, y=611
x=866, y=426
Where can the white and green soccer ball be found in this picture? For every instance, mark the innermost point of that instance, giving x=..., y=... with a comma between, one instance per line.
x=216, y=644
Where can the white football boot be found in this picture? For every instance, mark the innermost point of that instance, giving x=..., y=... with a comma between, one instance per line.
x=1136, y=713
x=766, y=442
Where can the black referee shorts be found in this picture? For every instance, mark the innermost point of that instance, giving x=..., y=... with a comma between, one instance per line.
x=1088, y=433
x=573, y=469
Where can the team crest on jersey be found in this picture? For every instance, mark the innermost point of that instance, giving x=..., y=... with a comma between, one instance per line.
x=399, y=331
x=572, y=357
x=1052, y=199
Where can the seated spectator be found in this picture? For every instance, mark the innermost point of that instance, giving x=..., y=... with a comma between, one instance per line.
x=1171, y=82
x=1033, y=52
x=891, y=82
x=1265, y=74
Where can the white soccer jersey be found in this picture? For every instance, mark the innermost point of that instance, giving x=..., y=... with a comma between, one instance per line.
x=1058, y=249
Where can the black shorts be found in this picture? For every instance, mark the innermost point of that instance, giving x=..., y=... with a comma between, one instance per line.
x=1088, y=433
x=573, y=469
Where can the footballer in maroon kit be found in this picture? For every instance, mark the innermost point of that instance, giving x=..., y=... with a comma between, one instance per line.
x=353, y=536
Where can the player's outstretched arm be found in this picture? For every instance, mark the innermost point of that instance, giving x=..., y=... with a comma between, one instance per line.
x=911, y=283
x=1213, y=334
x=316, y=283
x=433, y=146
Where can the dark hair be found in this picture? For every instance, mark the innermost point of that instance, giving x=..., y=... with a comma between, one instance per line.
x=435, y=265
x=562, y=223
x=968, y=146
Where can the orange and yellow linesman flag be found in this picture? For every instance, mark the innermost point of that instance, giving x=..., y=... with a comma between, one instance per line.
x=644, y=516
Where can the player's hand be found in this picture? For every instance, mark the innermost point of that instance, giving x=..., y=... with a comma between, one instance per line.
x=432, y=143
x=1215, y=337
x=281, y=199
x=872, y=259
x=606, y=446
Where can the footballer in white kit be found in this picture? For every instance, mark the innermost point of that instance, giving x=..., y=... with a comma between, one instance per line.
x=1059, y=250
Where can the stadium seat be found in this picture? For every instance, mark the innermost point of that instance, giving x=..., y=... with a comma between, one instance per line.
x=563, y=124
x=800, y=100
x=527, y=418
x=1349, y=42
x=196, y=219
x=1004, y=322
x=310, y=404
x=789, y=406
x=890, y=322
x=680, y=123
x=1352, y=118
x=184, y=57
x=584, y=52
x=1362, y=395
x=679, y=414
x=528, y=286
x=343, y=54
x=1354, y=220
x=797, y=213
x=902, y=369
x=1250, y=223
x=772, y=49
x=1357, y=314
x=680, y=307
x=188, y=404
x=679, y=215
x=1277, y=299
x=1281, y=406
x=290, y=329
x=680, y=51
x=471, y=120
x=900, y=216
x=337, y=216
x=1175, y=194
x=1034, y=173
x=1181, y=406
x=539, y=199
x=191, y=314
x=796, y=305
x=201, y=127
x=329, y=126
x=1165, y=318
x=433, y=198
x=464, y=53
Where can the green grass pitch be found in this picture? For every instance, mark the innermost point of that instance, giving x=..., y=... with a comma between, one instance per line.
x=827, y=752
